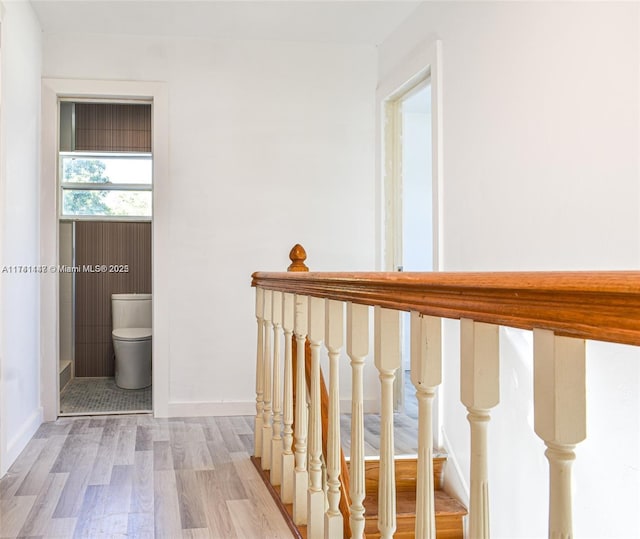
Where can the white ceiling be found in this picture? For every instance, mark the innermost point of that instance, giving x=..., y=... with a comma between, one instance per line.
x=352, y=21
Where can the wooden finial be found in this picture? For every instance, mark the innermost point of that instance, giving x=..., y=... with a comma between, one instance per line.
x=297, y=256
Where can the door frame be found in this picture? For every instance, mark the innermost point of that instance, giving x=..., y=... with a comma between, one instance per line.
x=424, y=63
x=157, y=93
x=3, y=453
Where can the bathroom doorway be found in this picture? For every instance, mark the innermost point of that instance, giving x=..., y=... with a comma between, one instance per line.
x=105, y=185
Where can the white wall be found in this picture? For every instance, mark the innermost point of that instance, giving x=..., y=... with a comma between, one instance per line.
x=19, y=230
x=541, y=137
x=271, y=143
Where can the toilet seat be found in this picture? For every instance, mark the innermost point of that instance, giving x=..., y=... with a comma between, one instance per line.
x=132, y=334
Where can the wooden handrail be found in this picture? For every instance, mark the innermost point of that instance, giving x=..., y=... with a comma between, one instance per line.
x=598, y=305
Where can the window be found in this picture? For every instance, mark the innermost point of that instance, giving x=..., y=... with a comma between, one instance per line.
x=106, y=184
x=105, y=160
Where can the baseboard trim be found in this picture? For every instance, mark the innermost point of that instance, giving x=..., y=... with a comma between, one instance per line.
x=200, y=409
x=22, y=438
x=207, y=408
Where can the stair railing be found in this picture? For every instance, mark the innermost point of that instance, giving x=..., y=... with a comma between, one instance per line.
x=301, y=370
x=561, y=308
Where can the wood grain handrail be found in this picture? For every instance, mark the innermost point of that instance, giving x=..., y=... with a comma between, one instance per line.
x=597, y=305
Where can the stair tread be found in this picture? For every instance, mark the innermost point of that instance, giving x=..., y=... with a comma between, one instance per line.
x=406, y=472
x=406, y=504
x=449, y=513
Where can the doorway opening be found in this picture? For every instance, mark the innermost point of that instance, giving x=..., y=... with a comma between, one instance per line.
x=105, y=187
x=411, y=188
x=415, y=237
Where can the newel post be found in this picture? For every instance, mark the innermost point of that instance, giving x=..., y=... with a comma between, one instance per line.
x=300, y=329
x=297, y=257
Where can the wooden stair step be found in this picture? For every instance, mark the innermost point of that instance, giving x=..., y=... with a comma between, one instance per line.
x=449, y=516
x=406, y=505
x=449, y=512
x=406, y=472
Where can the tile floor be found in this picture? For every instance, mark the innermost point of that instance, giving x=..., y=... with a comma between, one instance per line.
x=101, y=395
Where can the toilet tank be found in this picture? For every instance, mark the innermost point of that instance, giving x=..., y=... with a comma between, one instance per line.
x=131, y=310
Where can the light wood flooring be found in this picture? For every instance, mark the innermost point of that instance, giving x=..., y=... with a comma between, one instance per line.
x=405, y=427
x=139, y=477
x=135, y=476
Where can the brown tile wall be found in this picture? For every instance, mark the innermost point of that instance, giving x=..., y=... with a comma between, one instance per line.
x=106, y=243
x=113, y=127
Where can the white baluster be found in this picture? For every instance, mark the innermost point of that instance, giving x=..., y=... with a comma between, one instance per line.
x=560, y=417
x=316, y=497
x=357, y=348
x=276, y=441
x=301, y=478
x=267, y=412
x=387, y=361
x=286, y=487
x=257, y=425
x=334, y=334
x=426, y=375
x=479, y=391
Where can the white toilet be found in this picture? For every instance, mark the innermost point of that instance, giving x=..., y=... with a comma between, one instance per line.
x=131, y=318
